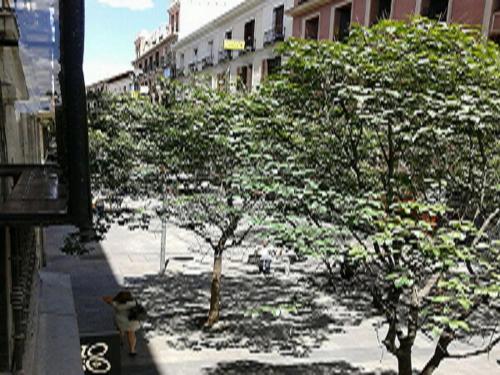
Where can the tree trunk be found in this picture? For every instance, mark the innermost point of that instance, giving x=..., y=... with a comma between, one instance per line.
x=213, y=315
x=404, y=361
x=440, y=353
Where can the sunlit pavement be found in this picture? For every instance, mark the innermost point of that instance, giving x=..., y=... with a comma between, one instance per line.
x=175, y=346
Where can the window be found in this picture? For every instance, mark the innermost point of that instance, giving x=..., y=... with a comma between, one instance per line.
x=384, y=9
x=211, y=48
x=181, y=61
x=229, y=36
x=278, y=18
x=311, y=30
x=435, y=9
x=195, y=53
x=273, y=65
x=250, y=35
x=342, y=22
x=245, y=77
x=157, y=58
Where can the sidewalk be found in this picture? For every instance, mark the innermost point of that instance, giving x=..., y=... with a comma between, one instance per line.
x=326, y=335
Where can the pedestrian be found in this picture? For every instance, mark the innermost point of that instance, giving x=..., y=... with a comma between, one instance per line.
x=284, y=254
x=265, y=261
x=123, y=303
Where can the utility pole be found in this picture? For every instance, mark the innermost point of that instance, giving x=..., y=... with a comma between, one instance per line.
x=163, y=261
x=163, y=258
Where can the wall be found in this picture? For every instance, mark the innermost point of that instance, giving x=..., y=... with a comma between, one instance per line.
x=262, y=12
x=463, y=12
x=326, y=13
x=197, y=13
x=401, y=9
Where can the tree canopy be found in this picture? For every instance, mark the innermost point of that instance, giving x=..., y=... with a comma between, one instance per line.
x=380, y=155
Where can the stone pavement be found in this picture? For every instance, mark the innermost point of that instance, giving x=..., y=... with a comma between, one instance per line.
x=269, y=325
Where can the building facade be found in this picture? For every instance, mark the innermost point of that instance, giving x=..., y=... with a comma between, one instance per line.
x=331, y=19
x=34, y=192
x=153, y=58
x=118, y=84
x=153, y=50
x=258, y=24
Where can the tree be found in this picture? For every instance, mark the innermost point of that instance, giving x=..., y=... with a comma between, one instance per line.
x=193, y=149
x=118, y=146
x=384, y=158
x=205, y=149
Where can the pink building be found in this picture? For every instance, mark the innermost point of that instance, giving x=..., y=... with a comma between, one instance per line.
x=331, y=19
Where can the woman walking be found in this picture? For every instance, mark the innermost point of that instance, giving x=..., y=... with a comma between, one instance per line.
x=122, y=304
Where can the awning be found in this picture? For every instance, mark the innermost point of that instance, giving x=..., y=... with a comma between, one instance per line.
x=38, y=196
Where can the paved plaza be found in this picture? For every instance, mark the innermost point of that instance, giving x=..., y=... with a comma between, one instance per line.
x=276, y=324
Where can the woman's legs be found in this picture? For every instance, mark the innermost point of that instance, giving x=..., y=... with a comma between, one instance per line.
x=132, y=340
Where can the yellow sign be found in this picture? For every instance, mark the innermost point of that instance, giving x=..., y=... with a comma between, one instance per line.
x=234, y=45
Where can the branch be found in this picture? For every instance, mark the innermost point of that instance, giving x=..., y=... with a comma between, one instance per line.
x=485, y=226
x=424, y=292
x=479, y=235
x=390, y=339
x=200, y=233
x=486, y=349
x=240, y=240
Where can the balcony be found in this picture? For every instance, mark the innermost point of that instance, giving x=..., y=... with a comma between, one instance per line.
x=193, y=67
x=274, y=35
x=207, y=61
x=249, y=46
x=225, y=55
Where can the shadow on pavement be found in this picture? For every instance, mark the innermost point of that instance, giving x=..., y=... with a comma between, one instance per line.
x=259, y=368
x=262, y=314
x=92, y=278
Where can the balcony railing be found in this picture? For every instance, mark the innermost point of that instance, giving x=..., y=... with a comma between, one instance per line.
x=193, y=67
x=225, y=55
x=249, y=46
x=207, y=61
x=273, y=35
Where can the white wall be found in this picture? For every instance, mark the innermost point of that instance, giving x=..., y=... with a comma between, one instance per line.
x=262, y=12
x=197, y=13
x=119, y=85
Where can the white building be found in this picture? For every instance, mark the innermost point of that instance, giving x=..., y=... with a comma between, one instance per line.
x=153, y=50
x=118, y=84
x=197, y=13
x=259, y=23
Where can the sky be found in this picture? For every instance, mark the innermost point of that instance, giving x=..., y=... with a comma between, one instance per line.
x=111, y=27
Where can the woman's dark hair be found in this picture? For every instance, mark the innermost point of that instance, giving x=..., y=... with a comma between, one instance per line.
x=123, y=297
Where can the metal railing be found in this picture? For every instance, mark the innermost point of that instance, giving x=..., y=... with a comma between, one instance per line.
x=225, y=55
x=207, y=61
x=249, y=46
x=274, y=35
x=193, y=66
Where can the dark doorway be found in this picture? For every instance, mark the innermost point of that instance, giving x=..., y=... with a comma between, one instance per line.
x=342, y=22
x=384, y=9
x=250, y=35
x=273, y=65
x=435, y=9
x=278, y=18
x=229, y=36
x=312, y=28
